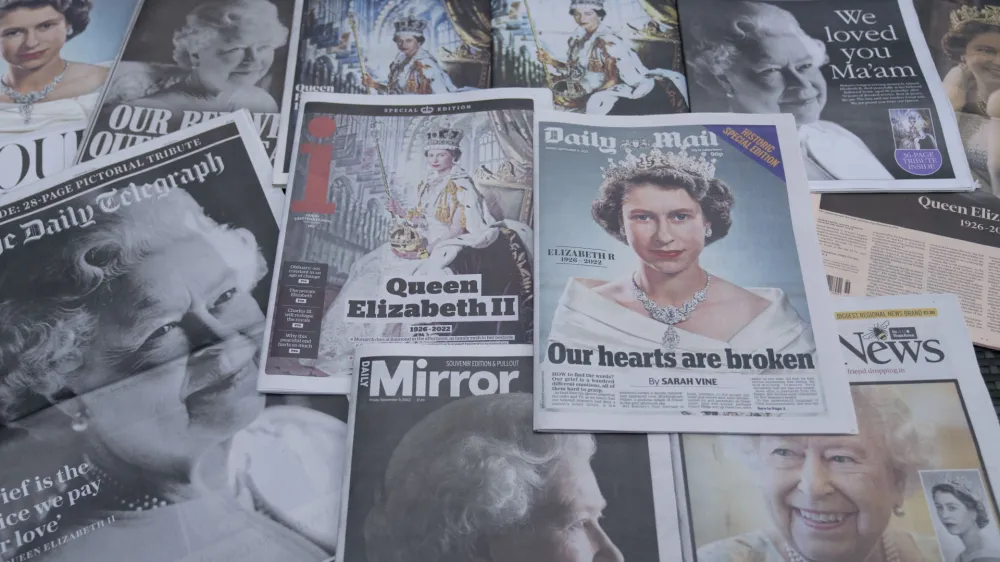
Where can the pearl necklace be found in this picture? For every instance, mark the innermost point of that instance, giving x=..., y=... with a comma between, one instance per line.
x=26, y=101
x=124, y=499
x=889, y=552
x=671, y=315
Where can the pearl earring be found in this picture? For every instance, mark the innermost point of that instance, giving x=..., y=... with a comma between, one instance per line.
x=79, y=423
x=708, y=231
x=898, y=511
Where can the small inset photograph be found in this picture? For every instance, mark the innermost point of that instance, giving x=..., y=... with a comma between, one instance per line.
x=913, y=129
x=964, y=517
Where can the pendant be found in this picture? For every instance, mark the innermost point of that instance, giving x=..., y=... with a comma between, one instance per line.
x=670, y=339
x=26, y=111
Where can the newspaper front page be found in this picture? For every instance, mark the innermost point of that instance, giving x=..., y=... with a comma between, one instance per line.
x=413, y=47
x=856, y=74
x=187, y=61
x=600, y=57
x=409, y=219
x=916, y=484
x=444, y=464
x=39, y=137
x=132, y=299
x=679, y=283
x=910, y=244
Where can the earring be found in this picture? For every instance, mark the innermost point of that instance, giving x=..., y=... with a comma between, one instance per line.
x=79, y=423
x=622, y=231
x=898, y=511
x=708, y=231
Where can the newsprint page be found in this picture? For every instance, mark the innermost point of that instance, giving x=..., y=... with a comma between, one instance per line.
x=186, y=61
x=872, y=114
x=443, y=464
x=893, y=244
x=916, y=483
x=132, y=298
x=679, y=285
x=409, y=220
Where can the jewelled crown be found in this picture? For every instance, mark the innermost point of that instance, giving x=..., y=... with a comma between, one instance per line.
x=656, y=158
x=596, y=4
x=443, y=139
x=411, y=24
x=963, y=485
x=988, y=14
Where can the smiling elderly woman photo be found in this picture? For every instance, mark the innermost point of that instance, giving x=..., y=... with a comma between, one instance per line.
x=472, y=482
x=754, y=57
x=147, y=338
x=223, y=55
x=834, y=498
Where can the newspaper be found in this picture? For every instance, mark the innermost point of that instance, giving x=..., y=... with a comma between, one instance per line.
x=40, y=138
x=409, y=220
x=858, y=78
x=132, y=298
x=602, y=57
x=916, y=484
x=894, y=244
x=679, y=283
x=187, y=61
x=443, y=465
x=403, y=47
x=955, y=33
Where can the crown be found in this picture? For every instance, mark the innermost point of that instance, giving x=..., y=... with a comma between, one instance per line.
x=989, y=14
x=443, y=139
x=963, y=485
x=411, y=24
x=596, y=4
x=700, y=166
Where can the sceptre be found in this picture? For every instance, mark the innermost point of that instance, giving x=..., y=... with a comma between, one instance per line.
x=365, y=77
x=538, y=44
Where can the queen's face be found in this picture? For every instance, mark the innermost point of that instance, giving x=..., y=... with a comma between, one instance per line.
x=440, y=160
x=779, y=76
x=954, y=515
x=830, y=497
x=982, y=55
x=566, y=526
x=189, y=336
x=586, y=18
x=664, y=227
x=238, y=61
x=407, y=44
x=32, y=37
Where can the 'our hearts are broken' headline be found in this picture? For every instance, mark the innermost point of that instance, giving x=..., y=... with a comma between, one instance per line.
x=454, y=298
x=729, y=360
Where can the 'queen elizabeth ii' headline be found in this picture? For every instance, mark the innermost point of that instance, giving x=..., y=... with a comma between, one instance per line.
x=456, y=297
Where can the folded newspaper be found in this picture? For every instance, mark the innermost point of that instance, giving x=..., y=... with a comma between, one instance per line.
x=679, y=284
x=132, y=299
x=409, y=220
x=916, y=484
x=444, y=465
x=872, y=114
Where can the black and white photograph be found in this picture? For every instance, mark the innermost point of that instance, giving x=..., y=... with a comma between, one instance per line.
x=454, y=471
x=436, y=189
x=837, y=67
x=965, y=520
x=603, y=57
x=913, y=129
x=132, y=320
x=186, y=61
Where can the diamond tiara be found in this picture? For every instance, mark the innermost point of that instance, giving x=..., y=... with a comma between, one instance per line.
x=696, y=166
x=988, y=14
x=596, y=4
x=962, y=484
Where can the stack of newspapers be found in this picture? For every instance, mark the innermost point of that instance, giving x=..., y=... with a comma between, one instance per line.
x=468, y=281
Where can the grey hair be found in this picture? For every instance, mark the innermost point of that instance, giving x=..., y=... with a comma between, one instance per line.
x=883, y=412
x=720, y=35
x=471, y=470
x=222, y=19
x=44, y=340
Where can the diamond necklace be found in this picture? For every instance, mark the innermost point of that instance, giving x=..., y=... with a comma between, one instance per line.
x=26, y=101
x=671, y=315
